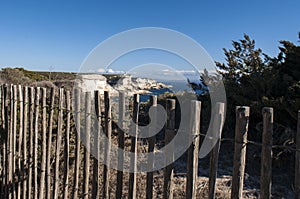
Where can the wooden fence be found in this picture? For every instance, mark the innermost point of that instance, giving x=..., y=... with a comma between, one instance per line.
x=41, y=154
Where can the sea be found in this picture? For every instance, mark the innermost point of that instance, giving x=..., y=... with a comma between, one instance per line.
x=174, y=87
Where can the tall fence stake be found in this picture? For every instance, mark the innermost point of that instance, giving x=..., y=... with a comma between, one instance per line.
x=4, y=137
x=95, y=183
x=121, y=145
x=67, y=146
x=133, y=149
x=1, y=155
x=77, y=97
x=266, y=154
x=241, y=133
x=35, y=143
x=214, y=155
x=14, y=105
x=169, y=153
x=151, y=141
x=58, y=143
x=25, y=126
x=86, y=168
x=49, y=144
x=193, y=150
x=107, y=145
x=20, y=140
x=31, y=136
x=44, y=143
x=7, y=143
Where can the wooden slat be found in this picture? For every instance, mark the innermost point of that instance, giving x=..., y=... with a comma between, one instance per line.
x=121, y=145
x=214, y=155
x=58, y=144
x=25, y=139
x=7, y=139
x=49, y=144
x=14, y=106
x=169, y=154
x=86, y=167
x=77, y=95
x=10, y=141
x=133, y=149
x=151, y=141
x=266, y=154
x=192, y=165
x=35, y=143
x=241, y=133
x=67, y=146
x=108, y=123
x=3, y=105
x=44, y=143
x=20, y=141
x=31, y=134
x=3, y=152
x=96, y=158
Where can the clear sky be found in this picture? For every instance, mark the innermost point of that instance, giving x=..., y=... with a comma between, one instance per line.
x=38, y=35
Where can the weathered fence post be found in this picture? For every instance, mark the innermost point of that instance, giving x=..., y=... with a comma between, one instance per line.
x=58, y=143
x=86, y=168
x=77, y=97
x=49, y=144
x=121, y=145
x=25, y=126
x=151, y=141
x=35, y=143
x=169, y=153
x=95, y=183
x=20, y=142
x=297, y=161
x=31, y=134
x=3, y=144
x=7, y=143
x=14, y=107
x=241, y=133
x=193, y=150
x=10, y=145
x=1, y=154
x=266, y=155
x=67, y=147
x=2, y=104
x=4, y=185
x=77, y=103
x=133, y=149
x=44, y=143
x=107, y=145
x=214, y=155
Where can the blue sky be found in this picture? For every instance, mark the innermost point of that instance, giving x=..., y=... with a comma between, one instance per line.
x=41, y=34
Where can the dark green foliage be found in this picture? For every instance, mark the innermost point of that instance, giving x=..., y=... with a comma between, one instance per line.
x=254, y=79
x=286, y=84
x=246, y=74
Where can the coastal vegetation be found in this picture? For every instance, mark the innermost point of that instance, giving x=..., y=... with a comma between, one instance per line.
x=251, y=78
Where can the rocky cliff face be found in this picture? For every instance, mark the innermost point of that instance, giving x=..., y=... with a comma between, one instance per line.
x=124, y=83
x=137, y=85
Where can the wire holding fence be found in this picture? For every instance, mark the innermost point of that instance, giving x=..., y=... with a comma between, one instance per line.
x=42, y=154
